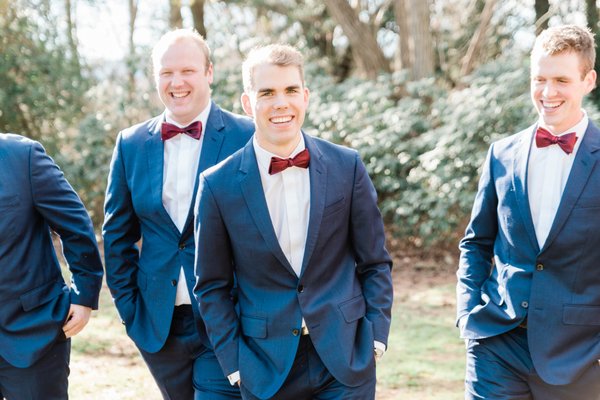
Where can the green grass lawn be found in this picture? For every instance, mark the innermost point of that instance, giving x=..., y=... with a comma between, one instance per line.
x=425, y=358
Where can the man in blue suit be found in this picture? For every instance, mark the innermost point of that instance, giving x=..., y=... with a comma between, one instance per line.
x=293, y=221
x=38, y=311
x=528, y=293
x=151, y=188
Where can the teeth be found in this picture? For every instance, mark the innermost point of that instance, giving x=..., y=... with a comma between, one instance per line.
x=279, y=120
x=179, y=95
x=551, y=104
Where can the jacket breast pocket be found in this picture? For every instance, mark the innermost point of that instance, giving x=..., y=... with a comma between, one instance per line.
x=255, y=327
x=578, y=314
x=42, y=295
x=353, y=309
x=334, y=207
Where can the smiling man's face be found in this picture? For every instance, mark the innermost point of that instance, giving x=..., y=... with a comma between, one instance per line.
x=558, y=88
x=183, y=80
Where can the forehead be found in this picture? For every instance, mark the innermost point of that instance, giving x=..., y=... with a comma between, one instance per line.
x=183, y=51
x=561, y=64
x=270, y=76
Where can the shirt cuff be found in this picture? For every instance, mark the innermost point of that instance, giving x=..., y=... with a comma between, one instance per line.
x=379, y=349
x=233, y=378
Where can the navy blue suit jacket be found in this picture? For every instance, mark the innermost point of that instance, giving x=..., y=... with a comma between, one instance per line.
x=143, y=282
x=35, y=198
x=344, y=291
x=504, y=275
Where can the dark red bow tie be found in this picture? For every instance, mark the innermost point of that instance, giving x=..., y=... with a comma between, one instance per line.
x=301, y=160
x=566, y=142
x=193, y=130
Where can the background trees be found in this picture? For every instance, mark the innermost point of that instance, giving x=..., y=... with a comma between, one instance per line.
x=419, y=87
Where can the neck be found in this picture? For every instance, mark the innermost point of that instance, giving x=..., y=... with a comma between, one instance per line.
x=283, y=150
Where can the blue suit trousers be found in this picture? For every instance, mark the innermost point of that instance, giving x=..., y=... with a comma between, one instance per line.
x=500, y=368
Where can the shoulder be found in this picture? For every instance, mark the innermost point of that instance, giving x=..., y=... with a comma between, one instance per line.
x=141, y=131
x=14, y=141
x=513, y=142
x=336, y=153
x=16, y=146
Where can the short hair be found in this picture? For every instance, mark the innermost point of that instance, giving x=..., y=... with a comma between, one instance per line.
x=177, y=35
x=282, y=55
x=568, y=38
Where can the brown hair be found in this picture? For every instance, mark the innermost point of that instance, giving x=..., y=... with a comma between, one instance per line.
x=568, y=38
x=282, y=55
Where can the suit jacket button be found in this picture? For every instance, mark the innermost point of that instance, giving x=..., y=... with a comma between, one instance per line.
x=295, y=332
x=524, y=304
x=174, y=282
x=539, y=267
x=300, y=288
x=181, y=246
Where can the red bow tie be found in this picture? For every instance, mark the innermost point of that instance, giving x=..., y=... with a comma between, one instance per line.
x=566, y=142
x=301, y=160
x=193, y=130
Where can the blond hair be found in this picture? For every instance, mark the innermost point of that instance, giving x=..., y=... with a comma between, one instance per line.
x=177, y=35
x=568, y=38
x=282, y=55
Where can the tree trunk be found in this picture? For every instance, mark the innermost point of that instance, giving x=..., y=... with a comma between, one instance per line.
x=197, y=7
x=175, y=19
x=72, y=35
x=591, y=12
x=542, y=15
x=477, y=41
x=423, y=62
x=404, y=51
x=131, y=58
x=366, y=51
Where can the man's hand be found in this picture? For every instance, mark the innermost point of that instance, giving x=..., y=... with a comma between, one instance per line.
x=77, y=319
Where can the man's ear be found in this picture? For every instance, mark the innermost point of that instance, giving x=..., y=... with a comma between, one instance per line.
x=246, y=105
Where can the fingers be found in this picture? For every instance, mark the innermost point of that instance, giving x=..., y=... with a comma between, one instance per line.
x=77, y=319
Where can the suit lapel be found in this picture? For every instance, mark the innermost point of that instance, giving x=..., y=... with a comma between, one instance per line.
x=156, y=157
x=214, y=135
x=318, y=189
x=580, y=172
x=521, y=160
x=254, y=196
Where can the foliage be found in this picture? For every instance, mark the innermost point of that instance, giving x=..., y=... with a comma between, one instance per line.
x=40, y=87
x=422, y=143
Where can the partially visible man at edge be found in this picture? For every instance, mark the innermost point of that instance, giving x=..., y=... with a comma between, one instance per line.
x=39, y=313
x=528, y=293
x=151, y=189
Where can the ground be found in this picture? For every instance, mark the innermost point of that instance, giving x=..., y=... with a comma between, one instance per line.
x=424, y=360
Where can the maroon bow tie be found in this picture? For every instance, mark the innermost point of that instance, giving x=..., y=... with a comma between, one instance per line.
x=566, y=142
x=193, y=130
x=301, y=160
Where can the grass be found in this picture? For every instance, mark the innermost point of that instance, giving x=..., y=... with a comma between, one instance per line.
x=425, y=358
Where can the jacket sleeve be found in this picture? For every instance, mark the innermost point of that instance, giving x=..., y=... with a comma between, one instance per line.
x=215, y=279
x=65, y=214
x=477, y=246
x=373, y=263
x=121, y=232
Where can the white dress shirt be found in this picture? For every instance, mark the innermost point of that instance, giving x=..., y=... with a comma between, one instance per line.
x=548, y=170
x=181, y=157
x=288, y=199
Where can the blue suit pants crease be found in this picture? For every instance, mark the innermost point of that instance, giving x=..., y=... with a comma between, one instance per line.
x=309, y=379
x=46, y=379
x=500, y=368
x=185, y=369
